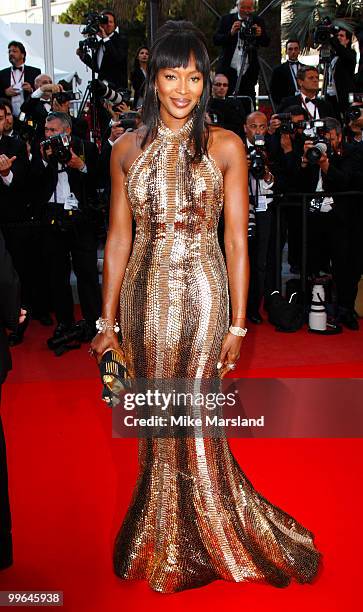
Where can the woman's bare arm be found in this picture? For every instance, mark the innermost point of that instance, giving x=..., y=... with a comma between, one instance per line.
x=118, y=244
x=236, y=205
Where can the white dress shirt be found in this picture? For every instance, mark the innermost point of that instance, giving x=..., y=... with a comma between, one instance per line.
x=310, y=107
x=17, y=81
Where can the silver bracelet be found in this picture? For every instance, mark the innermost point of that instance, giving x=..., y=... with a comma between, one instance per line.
x=238, y=331
x=102, y=325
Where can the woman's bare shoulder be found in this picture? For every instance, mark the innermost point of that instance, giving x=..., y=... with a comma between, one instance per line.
x=128, y=147
x=224, y=146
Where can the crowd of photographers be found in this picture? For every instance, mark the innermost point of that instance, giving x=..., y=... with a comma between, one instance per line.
x=54, y=173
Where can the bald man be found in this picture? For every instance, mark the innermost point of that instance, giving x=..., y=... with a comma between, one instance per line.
x=260, y=190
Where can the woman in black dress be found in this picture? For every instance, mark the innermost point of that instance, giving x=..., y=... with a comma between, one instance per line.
x=138, y=75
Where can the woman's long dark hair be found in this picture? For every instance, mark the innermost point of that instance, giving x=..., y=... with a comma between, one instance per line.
x=175, y=43
x=136, y=60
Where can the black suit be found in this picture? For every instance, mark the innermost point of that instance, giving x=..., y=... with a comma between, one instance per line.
x=343, y=72
x=223, y=38
x=15, y=214
x=138, y=83
x=36, y=109
x=325, y=109
x=70, y=234
x=114, y=62
x=282, y=84
x=9, y=315
x=338, y=231
x=30, y=73
x=13, y=205
x=230, y=115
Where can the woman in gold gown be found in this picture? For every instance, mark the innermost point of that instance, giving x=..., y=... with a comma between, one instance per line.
x=194, y=516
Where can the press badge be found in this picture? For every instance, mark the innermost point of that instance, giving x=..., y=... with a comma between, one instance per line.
x=71, y=202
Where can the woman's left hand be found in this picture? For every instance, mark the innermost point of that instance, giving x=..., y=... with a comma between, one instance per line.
x=229, y=354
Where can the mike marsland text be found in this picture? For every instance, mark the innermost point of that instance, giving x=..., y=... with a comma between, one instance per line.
x=188, y=421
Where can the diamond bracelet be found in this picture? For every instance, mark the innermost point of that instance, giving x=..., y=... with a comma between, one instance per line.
x=238, y=331
x=102, y=325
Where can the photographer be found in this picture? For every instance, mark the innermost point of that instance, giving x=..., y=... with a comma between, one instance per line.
x=230, y=36
x=15, y=210
x=306, y=97
x=354, y=121
x=109, y=59
x=335, y=223
x=65, y=170
x=261, y=182
x=341, y=71
x=226, y=112
x=39, y=104
x=119, y=123
x=288, y=147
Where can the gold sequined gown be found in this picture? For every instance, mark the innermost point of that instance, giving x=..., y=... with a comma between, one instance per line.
x=194, y=516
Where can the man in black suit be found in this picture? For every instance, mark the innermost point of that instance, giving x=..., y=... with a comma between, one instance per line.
x=227, y=112
x=17, y=82
x=338, y=222
x=9, y=319
x=110, y=59
x=341, y=71
x=14, y=208
x=65, y=195
x=283, y=80
x=306, y=97
x=230, y=37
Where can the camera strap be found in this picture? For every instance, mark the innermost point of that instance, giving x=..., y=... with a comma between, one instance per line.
x=293, y=74
x=307, y=110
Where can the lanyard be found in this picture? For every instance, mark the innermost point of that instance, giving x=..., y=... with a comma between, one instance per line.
x=305, y=106
x=293, y=75
x=13, y=77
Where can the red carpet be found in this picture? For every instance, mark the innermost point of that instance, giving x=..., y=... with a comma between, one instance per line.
x=71, y=482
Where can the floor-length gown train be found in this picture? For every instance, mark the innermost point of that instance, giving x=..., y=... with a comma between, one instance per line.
x=194, y=516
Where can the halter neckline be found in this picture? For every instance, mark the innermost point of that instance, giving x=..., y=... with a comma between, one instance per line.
x=165, y=131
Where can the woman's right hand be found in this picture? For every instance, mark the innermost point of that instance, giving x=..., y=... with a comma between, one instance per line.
x=103, y=342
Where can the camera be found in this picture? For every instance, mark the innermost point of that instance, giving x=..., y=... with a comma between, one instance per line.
x=128, y=121
x=324, y=30
x=353, y=113
x=104, y=91
x=66, y=96
x=256, y=156
x=355, y=109
x=93, y=21
x=60, y=146
x=247, y=30
x=287, y=125
x=25, y=127
x=314, y=131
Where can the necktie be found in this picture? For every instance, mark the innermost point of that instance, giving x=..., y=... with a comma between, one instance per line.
x=307, y=100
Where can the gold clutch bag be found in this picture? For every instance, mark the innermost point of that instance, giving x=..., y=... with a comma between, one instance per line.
x=114, y=375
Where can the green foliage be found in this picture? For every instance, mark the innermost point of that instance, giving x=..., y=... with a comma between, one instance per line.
x=78, y=8
x=303, y=15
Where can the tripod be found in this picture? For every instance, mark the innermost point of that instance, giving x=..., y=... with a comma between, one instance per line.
x=325, y=58
x=245, y=44
x=90, y=92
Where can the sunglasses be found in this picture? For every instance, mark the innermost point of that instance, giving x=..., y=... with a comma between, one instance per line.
x=221, y=84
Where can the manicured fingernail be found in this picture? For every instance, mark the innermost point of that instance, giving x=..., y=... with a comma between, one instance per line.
x=219, y=365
